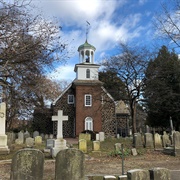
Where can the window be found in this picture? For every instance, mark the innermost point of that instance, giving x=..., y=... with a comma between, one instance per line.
x=88, y=100
x=87, y=73
x=89, y=123
x=70, y=99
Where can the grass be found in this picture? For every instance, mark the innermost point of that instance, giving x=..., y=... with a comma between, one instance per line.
x=106, y=148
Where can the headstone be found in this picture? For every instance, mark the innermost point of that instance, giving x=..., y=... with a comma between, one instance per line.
x=96, y=146
x=51, y=136
x=137, y=174
x=109, y=177
x=46, y=136
x=117, y=147
x=122, y=177
x=3, y=137
x=160, y=174
x=29, y=142
x=27, y=164
x=118, y=136
x=42, y=135
x=59, y=143
x=149, y=140
x=69, y=165
x=157, y=141
x=134, y=151
x=83, y=145
x=26, y=135
x=147, y=129
x=176, y=138
x=35, y=133
x=165, y=139
x=38, y=140
x=10, y=138
x=101, y=136
x=137, y=140
x=21, y=137
x=87, y=136
x=49, y=143
x=97, y=137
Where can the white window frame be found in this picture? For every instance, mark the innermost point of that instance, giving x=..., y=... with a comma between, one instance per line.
x=88, y=124
x=88, y=100
x=69, y=98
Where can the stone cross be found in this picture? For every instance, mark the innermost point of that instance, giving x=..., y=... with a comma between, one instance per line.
x=60, y=118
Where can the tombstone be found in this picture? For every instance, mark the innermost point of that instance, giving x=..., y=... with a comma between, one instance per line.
x=69, y=165
x=59, y=143
x=157, y=141
x=51, y=136
x=10, y=138
x=165, y=139
x=108, y=177
x=118, y=136
x=117, y=147
x=38, y=140
x=83, y=145
x=35, y=133
x=27, y=164
x=97, y=137
x=49, y=143
x=29, y=142
x=122, y=177
x=3, y=137
x=21, y=137
x=96, y=146
x=42, y=135
x=176, y=138
x=160, y=174
x=137, y=140
x=147, y=129
x=101, y=136
x=46, y=136
x=134, y=151
x=137, y=174
x=149, y=140
x=26, y=135
x=86, y=136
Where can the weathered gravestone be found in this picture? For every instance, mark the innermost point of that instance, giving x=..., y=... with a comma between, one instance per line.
x=49, y=143
x=26, y=135
x=10, y=138
x=101, y=136
x=85, y=136
x=149, y=140
x=69, y=165
x=176, y=138
x=38, y=140
x=83, y=145
x=165, y=139
x=96, y=146
x=137, y=138
x=138, y=174
x=3, y=137
x=134, y=152
x=27, y=164
x=117, y=147
x=160, y=174
x=29, y=142
x=20, y=139
x=157, y=141
x=35, y=133
x=122, y=177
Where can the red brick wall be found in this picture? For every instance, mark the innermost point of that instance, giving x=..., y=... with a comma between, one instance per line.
x=83, y=111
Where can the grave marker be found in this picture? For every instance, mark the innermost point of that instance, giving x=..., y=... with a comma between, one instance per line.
x=27, y=164
x=69, y=165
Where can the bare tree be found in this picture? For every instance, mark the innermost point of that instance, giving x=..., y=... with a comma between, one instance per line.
x=129, y=65
x=167, y=21
x=29, y=47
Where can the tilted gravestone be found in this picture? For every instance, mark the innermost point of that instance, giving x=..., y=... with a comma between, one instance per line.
x=27, y=164
x=157, y=141
x=69, y=165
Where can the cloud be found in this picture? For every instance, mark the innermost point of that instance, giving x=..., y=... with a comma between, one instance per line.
x=63, y=73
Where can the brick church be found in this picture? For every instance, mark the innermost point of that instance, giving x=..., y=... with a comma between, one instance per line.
x=87, y=103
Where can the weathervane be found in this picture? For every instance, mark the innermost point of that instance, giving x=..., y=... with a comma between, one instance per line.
x=87, y=29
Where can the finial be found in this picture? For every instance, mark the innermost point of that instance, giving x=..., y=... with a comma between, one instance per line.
x=87, y=29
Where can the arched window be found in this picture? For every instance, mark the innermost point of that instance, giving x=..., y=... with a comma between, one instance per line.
x=87, y=73
x=89, y=123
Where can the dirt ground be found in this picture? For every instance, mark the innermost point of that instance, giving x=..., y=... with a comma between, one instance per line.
x=109, y=165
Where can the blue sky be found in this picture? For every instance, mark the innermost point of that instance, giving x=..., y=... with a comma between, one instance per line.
x=111, y=21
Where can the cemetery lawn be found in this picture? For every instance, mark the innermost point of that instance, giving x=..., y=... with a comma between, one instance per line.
x=105, y=162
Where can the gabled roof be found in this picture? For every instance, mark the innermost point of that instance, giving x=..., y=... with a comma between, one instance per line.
x=65, y=90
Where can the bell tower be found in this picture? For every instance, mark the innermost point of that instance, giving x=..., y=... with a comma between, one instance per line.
x=86, y=69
